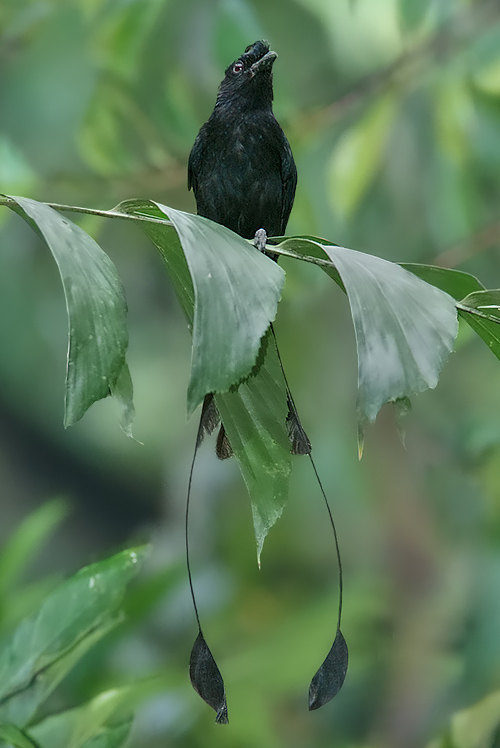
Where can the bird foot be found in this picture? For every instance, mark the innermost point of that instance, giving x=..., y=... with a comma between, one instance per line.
x=260, y=239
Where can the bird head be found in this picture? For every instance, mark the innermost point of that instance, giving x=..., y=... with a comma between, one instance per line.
x=248, y=81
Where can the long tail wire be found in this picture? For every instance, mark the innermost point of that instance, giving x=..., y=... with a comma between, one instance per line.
x=320, y=484
x=188, y=500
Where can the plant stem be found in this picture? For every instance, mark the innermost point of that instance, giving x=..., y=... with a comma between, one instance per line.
x=10, y=203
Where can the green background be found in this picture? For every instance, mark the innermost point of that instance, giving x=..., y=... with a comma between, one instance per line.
x=392, y=109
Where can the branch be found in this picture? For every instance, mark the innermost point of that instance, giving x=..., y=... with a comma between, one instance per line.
x=470, y=310
x=10, y=203
x=91, y=211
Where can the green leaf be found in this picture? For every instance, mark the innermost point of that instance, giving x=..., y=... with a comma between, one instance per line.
x=123, y=393
x=20, y=704
x=474, y=727
x=113, y=736
x=453, y=282
x=95, y=303
x=254, y=414
x=254, y=417
x=358, y=154
x=103, y=722
x=167, y=242
x=26, y=541
x=62, y=731
x=33, y=661
x=237, y=290
x=13, y=736
x=404, y=327
x=236, y=295
x=23, y=704
x=481, y=310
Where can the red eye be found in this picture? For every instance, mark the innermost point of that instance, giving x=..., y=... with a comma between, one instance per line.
x=237, y=67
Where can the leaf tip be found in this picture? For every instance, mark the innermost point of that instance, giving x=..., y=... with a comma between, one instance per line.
x=194, y=398
x=361, y=442
x=402, y=407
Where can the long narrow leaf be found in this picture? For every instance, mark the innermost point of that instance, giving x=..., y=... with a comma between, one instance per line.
x=12, y=736
x=254, y=414
x=95, y=302
x=26, y=540
x=254, y=417
x=236, y=295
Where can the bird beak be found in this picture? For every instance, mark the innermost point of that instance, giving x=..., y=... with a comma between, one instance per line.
x=264, y=62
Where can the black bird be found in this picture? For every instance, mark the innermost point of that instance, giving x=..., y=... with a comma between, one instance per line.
x=243, y=176
x=241, y=167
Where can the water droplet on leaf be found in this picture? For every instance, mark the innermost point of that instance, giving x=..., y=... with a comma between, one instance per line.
x=330, y=677
x=206, y=679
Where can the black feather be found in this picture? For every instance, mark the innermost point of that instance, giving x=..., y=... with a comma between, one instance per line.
x=241, y=167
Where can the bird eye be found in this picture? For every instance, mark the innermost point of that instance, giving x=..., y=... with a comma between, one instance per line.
x=238, y=67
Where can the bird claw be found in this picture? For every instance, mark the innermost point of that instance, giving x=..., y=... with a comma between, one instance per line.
x=260, y=239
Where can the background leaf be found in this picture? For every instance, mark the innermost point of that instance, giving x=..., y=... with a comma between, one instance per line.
x=26, y=541
x=10, y=735
x=92, y=725
x=102, y=722
x=96, y=307
x=22, y=705
x=474, y=727
x=42, y=648
x=359, y=153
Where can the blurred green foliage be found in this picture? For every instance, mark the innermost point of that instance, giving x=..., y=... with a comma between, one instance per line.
x=38, y=651
x=392, y=108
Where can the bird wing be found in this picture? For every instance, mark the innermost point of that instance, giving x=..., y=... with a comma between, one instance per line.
x=194, y=160
x=289, y=181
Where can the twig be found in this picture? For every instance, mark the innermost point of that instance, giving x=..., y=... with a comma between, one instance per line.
x=9, y=202
x=93, y=212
